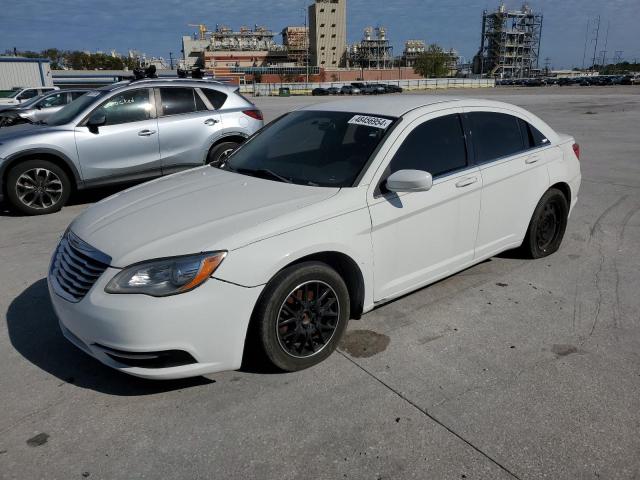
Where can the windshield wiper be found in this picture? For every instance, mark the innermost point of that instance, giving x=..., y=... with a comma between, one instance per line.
x=264, y=172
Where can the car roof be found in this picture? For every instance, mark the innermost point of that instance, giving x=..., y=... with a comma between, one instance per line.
x=399, y=105
x=395, y=106
x=166, y=82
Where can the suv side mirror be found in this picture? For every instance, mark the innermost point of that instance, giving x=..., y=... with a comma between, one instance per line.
x=97, y=119
x=409, y=181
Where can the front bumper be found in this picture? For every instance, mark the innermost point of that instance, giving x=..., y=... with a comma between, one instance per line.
x=209, y=323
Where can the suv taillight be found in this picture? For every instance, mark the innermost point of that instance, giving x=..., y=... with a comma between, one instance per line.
x=576, y=150
x=257, y=114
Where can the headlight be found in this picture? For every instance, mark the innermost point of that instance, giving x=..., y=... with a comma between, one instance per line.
x=166, y=276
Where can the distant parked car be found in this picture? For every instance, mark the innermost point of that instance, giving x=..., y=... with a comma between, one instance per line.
x=16, y=96
x=320, y=92
x=379, y=88
x=369, y=89
x=393, y=89
x=333, y=90
x=349, y=90
x=119, y=133
x=39, y=108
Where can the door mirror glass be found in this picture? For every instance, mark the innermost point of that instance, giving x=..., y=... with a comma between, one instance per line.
x=409, y=181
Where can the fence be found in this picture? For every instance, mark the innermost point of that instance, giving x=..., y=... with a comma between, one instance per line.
x=266, y=89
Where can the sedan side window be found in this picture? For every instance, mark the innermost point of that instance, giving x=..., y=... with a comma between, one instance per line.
x=216, y=98
x=533, y=137
x=436, y=146
x=126, y=107
x=176, y=101
x=495, y=135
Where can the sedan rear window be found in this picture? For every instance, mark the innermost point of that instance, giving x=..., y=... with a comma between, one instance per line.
x=327, y=149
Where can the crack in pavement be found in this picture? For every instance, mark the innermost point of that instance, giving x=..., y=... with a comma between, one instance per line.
x=429, y=415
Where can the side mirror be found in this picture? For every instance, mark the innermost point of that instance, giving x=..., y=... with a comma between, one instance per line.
x=97, y=119
x=409, y=181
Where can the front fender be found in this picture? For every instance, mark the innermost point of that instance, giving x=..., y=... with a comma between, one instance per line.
x=348, y=234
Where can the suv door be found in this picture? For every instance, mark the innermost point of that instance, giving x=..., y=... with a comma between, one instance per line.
x=514, y=177
x=187, y=124
x=421, y=236
x=126, y=147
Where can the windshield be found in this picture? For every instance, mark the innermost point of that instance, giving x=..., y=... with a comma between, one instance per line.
x=31, y=101
x=327, y=149
x=9, y=93
x=67, y=113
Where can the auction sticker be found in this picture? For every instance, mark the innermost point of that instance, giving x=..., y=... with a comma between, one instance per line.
x=368, y=121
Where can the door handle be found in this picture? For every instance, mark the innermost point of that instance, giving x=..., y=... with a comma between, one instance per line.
x=211, y=121
x=146, y=133
x=531, y=160
x=465, y=182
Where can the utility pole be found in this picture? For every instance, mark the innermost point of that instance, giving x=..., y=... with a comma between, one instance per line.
x=171, y=60
x=586, y=41
x=595, y=47
x=606, y=41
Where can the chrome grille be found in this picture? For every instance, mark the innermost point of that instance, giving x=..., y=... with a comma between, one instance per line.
x=75, y=267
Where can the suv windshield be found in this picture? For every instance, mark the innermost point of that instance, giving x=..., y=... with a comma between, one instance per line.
x=67, y=113
x=327, y=149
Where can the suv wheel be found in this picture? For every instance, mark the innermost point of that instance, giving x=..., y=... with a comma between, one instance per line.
x=219, y=153
x=302, y=315
x=37, y=187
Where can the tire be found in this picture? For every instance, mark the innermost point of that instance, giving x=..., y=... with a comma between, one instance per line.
x=547, y=226
x=220, y=151
x=299, y=343
x=37, y=187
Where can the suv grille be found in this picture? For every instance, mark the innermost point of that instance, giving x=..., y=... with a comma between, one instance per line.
x=75, y=267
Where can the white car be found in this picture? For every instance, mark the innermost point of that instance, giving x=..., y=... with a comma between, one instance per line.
x=324, y=214
x=16, y=96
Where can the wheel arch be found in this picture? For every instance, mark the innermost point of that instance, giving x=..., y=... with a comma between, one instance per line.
x=42, y=154
x=238, y=137
x=565, y=189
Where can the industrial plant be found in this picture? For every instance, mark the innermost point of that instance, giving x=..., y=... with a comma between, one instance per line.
x=510, y=43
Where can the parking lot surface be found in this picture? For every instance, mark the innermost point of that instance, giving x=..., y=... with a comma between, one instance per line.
x=511, y=369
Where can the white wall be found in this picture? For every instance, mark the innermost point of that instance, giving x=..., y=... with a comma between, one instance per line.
x=24, y=74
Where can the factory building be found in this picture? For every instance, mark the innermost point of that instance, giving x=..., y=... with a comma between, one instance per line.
x=296, y=42
x=328, y=33
x=373, y=51
x=412, y=50
x=510, y=43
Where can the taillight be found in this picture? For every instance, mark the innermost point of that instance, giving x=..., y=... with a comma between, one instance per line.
x=576, y=150
x=257, y=114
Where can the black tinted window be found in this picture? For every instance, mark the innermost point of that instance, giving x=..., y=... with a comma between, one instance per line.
x=200, y=105
x=177, y=100
x=27, y=94
x=216, y=98
x=130, y=106
x=533, y=137
x=495, y=135
x=75, y=95
x=436, y=146
x=56, y=100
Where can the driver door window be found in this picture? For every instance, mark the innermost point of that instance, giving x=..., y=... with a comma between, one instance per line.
x=127, y=107
x=27, y=94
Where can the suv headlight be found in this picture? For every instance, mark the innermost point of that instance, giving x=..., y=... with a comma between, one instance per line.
x=166, y=276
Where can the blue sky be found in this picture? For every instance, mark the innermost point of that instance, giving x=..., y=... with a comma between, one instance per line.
x=156, y=26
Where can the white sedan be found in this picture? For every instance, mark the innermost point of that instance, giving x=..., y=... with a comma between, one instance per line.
x=324, y=214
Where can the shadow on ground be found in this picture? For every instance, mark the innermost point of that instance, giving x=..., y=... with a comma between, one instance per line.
x=34, y=332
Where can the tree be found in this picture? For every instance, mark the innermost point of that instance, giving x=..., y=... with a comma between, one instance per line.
x=434, y=62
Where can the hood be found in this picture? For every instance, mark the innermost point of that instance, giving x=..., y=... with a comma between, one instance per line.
x=8, y=101
x=202, y=209
x=24, y=130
